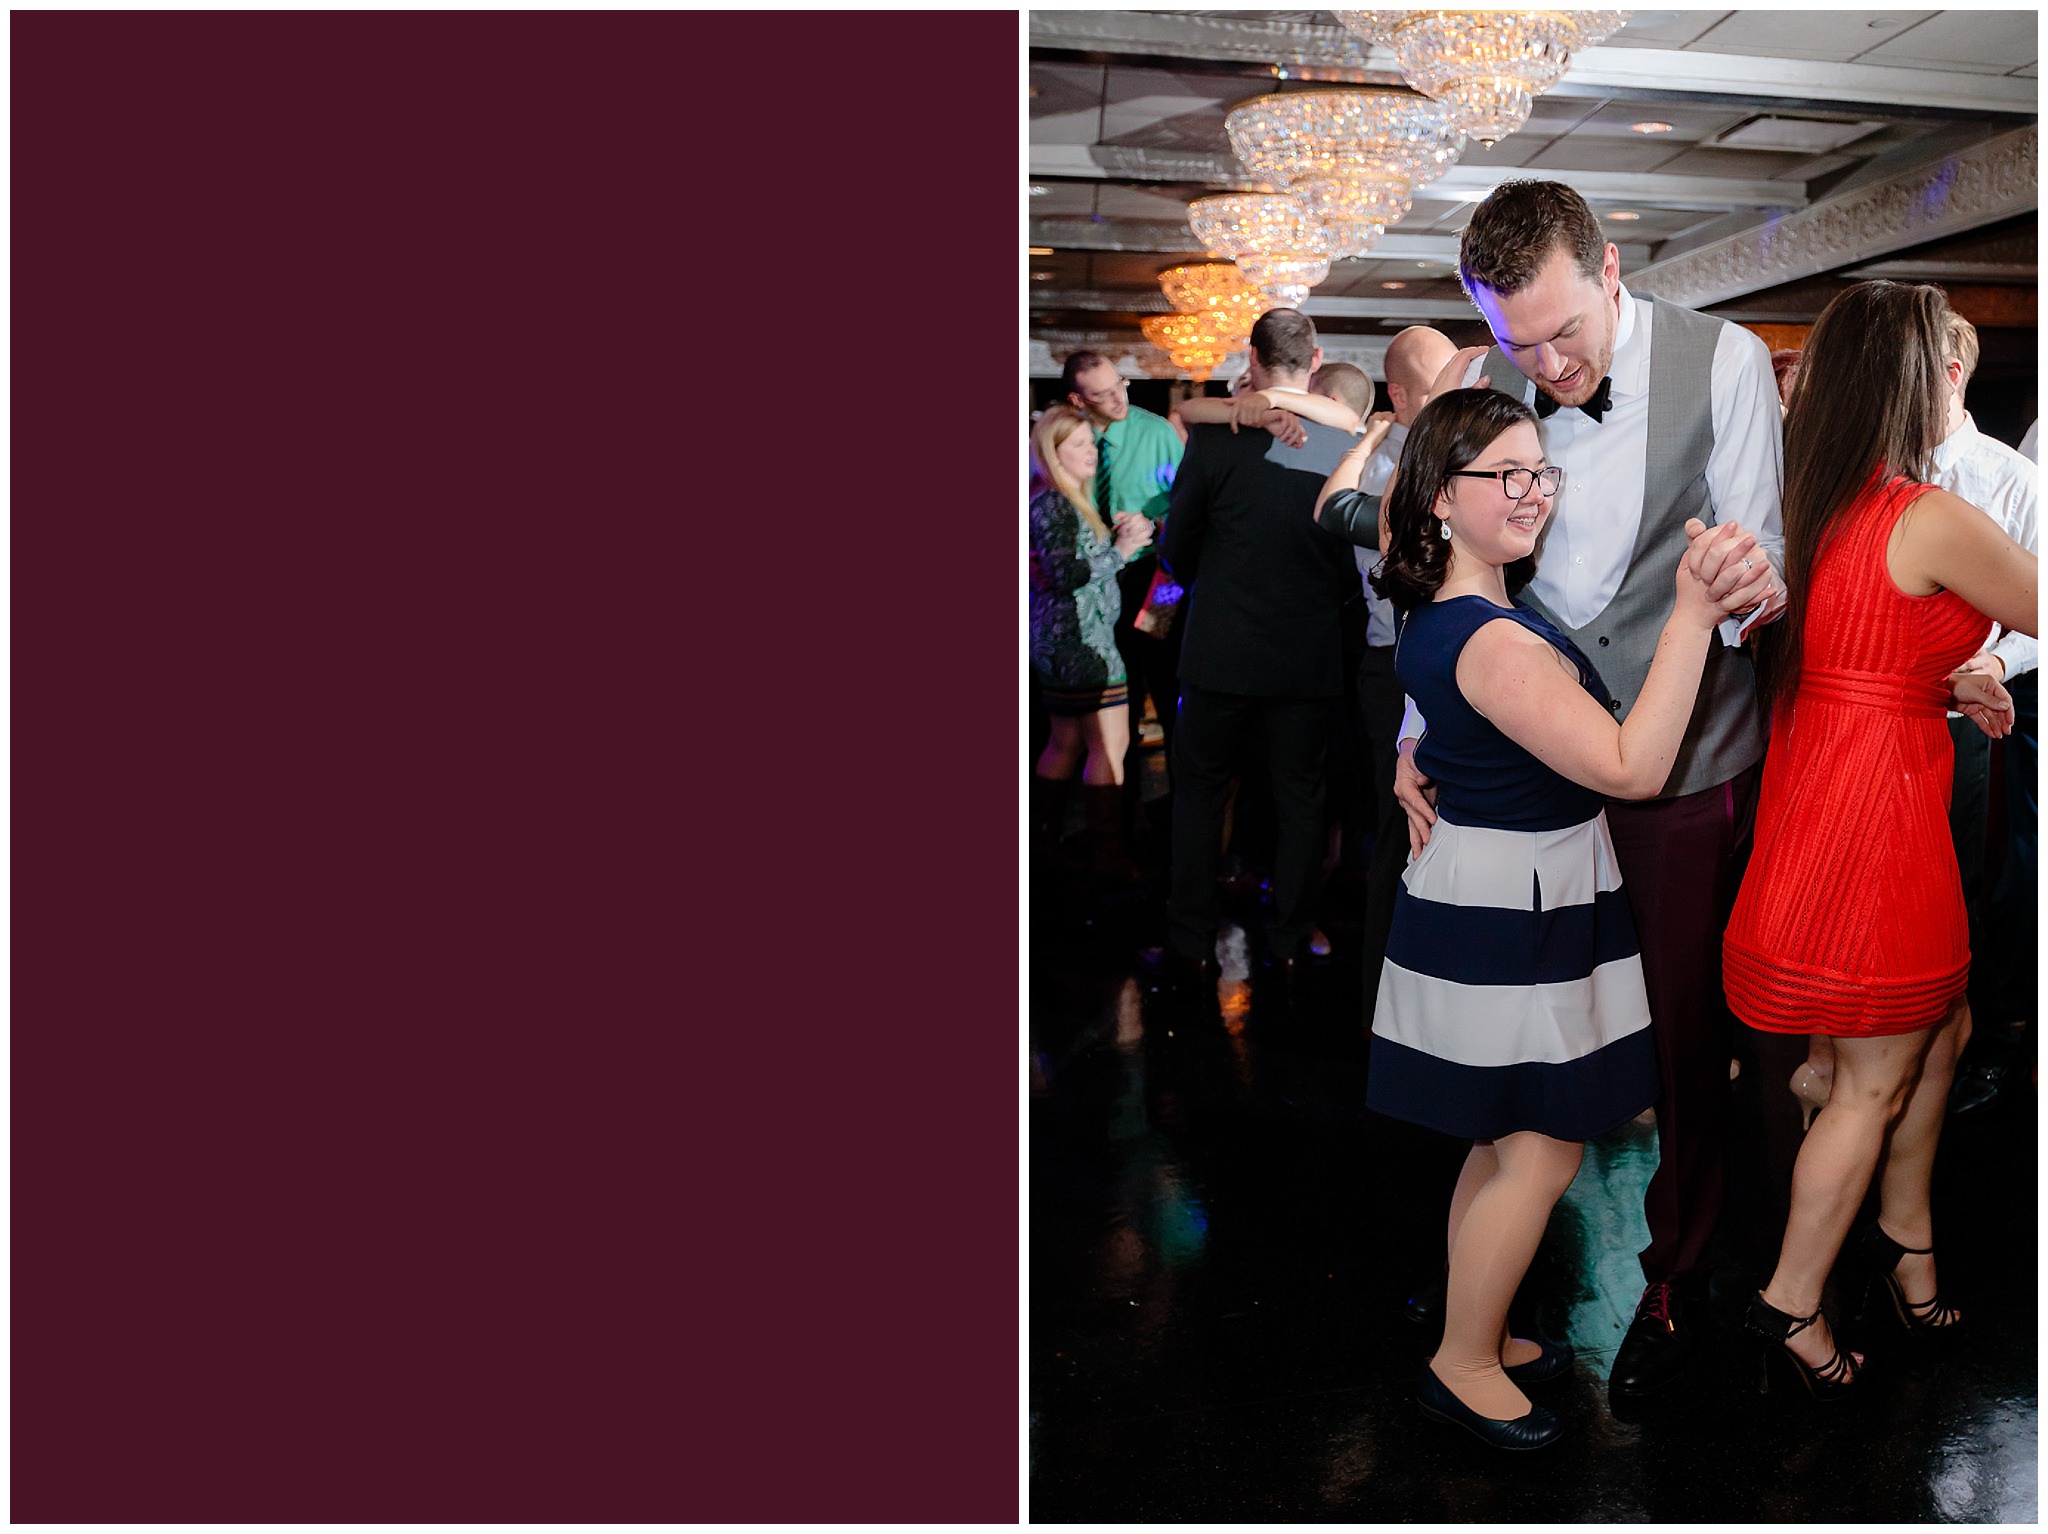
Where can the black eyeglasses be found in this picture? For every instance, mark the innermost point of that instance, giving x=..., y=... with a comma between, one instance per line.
x=1517, y=482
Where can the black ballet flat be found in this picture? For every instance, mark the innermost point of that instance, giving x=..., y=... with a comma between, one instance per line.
x=1545, y=1366
x=1532, y=1431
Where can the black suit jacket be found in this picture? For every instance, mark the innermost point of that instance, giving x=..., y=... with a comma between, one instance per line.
x=1266, y=585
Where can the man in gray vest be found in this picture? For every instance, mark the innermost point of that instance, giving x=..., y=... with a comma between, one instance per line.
x=1657, y=415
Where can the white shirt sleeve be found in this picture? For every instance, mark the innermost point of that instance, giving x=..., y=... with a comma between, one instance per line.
x=2027, y=449
x=1412, y=723
x=1746, y=469
x=2021, y=519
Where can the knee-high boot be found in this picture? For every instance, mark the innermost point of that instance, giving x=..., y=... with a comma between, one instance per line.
x=1048, y=810
x=1109, y=858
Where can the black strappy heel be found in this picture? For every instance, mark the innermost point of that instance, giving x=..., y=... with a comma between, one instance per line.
x=1827, y=1382
x=1878, y=1254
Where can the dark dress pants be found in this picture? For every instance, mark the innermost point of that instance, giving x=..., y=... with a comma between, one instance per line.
x=1214, y=729
x=2011, y=949
x=1681, y=862
x=1380, y=707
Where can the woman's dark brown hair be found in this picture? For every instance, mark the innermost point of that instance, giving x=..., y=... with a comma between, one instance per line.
x=1868, y=399
x=1452, y=431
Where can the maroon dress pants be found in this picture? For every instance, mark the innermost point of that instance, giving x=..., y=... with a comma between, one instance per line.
x=1681, y=863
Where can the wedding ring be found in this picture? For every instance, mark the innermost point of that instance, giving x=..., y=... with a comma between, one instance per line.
x=1746, y=565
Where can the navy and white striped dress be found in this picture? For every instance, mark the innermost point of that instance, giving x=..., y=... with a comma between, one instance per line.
x=1512, y=995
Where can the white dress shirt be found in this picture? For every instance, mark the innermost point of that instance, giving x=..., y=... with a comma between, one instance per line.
x=1379, y=628
x=1997, y=480
x=1598, y=509
x=2027, y=448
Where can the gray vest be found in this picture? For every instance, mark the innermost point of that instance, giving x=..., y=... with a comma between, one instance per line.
x=1726, y=733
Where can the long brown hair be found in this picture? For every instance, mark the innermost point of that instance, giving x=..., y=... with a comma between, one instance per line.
x=1453, y=430
x=1869, y=399
x=1054, y=427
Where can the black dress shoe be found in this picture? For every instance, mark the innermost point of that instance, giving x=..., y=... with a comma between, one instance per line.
x=1547, y=1365
x=1975, y=1089
x=1660, y=1344
x=1531, y=1431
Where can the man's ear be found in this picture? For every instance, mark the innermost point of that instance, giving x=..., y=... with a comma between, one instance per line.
x=1316, y=361
x=1610, y=268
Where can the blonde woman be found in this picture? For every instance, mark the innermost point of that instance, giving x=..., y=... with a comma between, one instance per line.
x=1075, y=558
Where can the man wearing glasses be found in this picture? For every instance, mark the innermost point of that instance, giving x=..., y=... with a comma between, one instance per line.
x=1137, y=454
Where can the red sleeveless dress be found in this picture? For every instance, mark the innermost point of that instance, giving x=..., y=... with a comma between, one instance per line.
x=1850, y=919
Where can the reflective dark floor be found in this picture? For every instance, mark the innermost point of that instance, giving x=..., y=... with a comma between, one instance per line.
x=1223, y=1239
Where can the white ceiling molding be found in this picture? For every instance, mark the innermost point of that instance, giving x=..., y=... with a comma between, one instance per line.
x=1337, y=54
x=1981, y=185
x=1708, y=194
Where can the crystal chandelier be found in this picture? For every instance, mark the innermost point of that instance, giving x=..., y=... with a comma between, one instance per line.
x=1217, y=290
x=1351, y=159
x=1192, y=341
x=1486, y=67
x=1279, y=252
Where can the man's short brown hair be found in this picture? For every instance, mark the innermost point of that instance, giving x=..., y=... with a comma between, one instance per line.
x=1345, y=384
x=1284, y=341
x=1078, y=363
x=1962, y=345
x=1512, y=234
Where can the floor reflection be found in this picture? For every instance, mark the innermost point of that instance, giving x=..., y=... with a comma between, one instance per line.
x=1222, y=1240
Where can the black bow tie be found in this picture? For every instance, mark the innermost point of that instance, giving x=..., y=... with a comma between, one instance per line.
x=1594, y=408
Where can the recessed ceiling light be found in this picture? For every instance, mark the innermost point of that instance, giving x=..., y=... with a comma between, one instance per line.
x=1649, y=127
x=1423, y=264
x=1039, y=191
x=1041, y=276
x=1393, y=284
x=1039, y=250
x=1624, y=217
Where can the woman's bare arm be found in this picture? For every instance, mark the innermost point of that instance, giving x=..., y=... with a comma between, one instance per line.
x=1522, y=684
x=1942, y=542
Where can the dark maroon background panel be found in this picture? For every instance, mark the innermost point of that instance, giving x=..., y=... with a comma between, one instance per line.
x=514, y=746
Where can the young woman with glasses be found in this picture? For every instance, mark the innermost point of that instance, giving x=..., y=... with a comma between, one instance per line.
x=1511, y=1008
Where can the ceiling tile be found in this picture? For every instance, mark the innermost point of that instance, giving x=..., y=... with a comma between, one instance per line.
x=1064, y=198
x=1971, y=41
x=1838, y=36
x=1636, y=153
x=1662, y=29
x=1689, y=124
x=2032, y=70
x=1512, y=151
x=1064, y=88
x=1076, y=127
x=1728, y=162
x=1819, y=165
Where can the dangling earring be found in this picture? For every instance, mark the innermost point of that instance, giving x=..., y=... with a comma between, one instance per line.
x=1445, y=524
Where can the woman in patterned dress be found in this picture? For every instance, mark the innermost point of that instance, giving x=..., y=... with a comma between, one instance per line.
x=1074, y=604
x=1511, y=1010
x=1850, y=922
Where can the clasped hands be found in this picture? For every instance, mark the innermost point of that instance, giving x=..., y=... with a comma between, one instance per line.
x=1724, y=559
